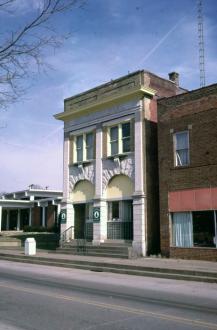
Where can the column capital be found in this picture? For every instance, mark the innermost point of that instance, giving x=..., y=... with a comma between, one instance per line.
x=139, y=195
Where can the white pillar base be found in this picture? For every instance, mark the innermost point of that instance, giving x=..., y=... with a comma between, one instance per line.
x=70, y=220
x=100, y=229
x=139, y=226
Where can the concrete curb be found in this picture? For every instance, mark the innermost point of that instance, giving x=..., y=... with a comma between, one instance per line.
x=169, y=273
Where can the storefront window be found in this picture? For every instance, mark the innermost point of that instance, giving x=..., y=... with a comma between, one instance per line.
x=196, y=229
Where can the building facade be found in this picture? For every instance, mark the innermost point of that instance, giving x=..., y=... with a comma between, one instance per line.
x=110, y=161
x=187, y=143
x=35, y=207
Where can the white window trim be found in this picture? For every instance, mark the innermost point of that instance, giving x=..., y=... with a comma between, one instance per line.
x=84, y=155
x=174, y=148
x=120, y=139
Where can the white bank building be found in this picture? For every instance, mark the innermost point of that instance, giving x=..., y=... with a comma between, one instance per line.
x=110, y=191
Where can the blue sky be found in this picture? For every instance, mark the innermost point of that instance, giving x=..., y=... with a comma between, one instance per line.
x=109, y=38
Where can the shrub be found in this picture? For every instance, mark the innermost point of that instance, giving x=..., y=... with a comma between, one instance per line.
x=32, y=229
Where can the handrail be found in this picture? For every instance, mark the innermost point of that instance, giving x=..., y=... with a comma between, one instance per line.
x=66, y=235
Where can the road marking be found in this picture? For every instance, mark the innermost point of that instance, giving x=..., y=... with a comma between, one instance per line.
x=120, y=308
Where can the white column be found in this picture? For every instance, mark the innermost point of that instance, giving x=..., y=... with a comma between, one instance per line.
x=0, y=218
x=58, y=213
x=99, y=229
x=7, y=219
x=30, y=216
x=66, y=151
x=66, y=203
x=70, y=219
x=43, y=216
x=98, y=168
x=139, y=153
x=139, y=207
x=18, y=219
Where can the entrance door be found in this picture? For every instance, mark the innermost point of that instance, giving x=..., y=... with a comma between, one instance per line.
x=79, y=210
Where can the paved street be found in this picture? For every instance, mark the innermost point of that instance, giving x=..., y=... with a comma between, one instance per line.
x=41, y=297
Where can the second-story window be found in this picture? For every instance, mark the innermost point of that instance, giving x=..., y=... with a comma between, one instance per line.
x=119, y=139
x=125, y=137
x=89, y=145
x=181, y=148
x=84, y=147
x=79, y=148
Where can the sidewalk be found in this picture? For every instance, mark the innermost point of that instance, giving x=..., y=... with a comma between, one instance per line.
x=154, y=267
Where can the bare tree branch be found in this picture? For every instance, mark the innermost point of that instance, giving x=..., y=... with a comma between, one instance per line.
x=23, y=49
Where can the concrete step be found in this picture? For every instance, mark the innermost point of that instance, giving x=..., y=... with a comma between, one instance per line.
x=97, y=249
x=93, y=253
x=103, y=250
x=7, y=241
x=117, y=268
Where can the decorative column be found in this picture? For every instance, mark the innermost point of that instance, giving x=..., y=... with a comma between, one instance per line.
x=18, y=219
x=7, y=219
x=0, y=218
x=43, y=215
x=66, y=204
x=139, y=213
x=100, y=228
x=30, y=216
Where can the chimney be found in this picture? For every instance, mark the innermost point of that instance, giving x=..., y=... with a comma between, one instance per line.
x=174, y=76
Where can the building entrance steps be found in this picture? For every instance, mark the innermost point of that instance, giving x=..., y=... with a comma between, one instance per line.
x=203, y=271
x=119, y=249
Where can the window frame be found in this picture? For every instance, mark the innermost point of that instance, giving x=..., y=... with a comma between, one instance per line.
x=193, y=233
x=120, y=210
x=84, y=148
x=120, y=139
x=176, y=163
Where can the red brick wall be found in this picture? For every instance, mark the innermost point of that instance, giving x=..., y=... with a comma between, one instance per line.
x=36, y=216
x=195, y=111
x=194, y=253
x=50, y=216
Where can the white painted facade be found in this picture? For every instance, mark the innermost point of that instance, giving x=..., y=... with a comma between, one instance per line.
x=127, y=99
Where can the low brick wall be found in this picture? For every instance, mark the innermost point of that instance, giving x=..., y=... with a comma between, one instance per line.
x=208, y=254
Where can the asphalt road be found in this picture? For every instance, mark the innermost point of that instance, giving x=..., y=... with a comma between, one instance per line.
x=50, y=298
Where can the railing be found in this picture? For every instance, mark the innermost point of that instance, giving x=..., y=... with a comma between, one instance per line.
x=120, y=230
x=67, y=235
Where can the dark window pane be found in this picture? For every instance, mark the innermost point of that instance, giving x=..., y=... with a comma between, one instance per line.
x=79, y=147
x=79, y=141
x=182, y=157
x=79, y=155
x=125, y=130
x=182, y=140
x=89, y=140
x=89, y=153
x=114, y=133
x=115, y=210
x=89, y=145
x=203, y=228
x=126, y=145
x=114, y=148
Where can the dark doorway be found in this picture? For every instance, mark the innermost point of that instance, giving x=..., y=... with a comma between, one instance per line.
x=13, y=220
x=79, y=221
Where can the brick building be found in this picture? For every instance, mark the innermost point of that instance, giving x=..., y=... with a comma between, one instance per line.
x=110, y=161
x=187, y=143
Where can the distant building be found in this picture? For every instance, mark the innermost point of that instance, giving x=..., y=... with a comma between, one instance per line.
x=34, y=206
x=187, y=143
x=110, y=161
